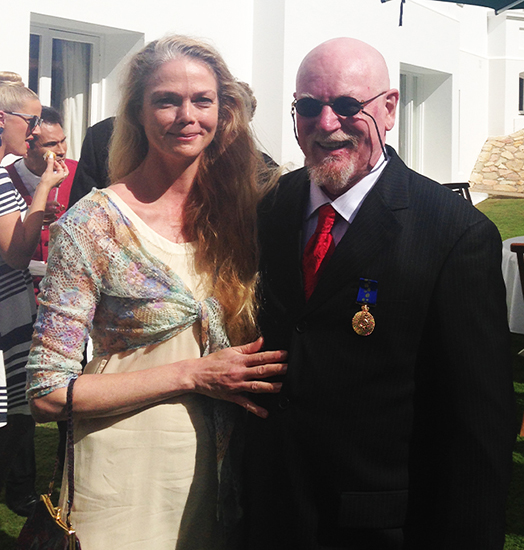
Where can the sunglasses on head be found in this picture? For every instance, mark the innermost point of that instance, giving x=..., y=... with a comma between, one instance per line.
x=310, y=107
x=32, y=120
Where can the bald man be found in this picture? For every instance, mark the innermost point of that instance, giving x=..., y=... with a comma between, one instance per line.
x=395, y=424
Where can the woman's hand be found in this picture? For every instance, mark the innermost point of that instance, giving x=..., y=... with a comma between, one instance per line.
x=19, y=236
x=228, y=373
x=55, y=173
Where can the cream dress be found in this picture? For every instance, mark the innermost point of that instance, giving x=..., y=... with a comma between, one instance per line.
x=148, y=479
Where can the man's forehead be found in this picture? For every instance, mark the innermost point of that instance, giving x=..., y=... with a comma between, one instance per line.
x=51, y=132
x=345, y=65
x=332, y=80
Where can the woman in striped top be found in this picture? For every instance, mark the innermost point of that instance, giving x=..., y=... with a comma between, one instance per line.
x=19, y=235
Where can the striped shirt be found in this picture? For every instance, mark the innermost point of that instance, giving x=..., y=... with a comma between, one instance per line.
x=17, y=309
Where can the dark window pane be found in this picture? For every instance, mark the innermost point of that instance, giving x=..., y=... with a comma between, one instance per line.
x=34, y=61
x=70, y=78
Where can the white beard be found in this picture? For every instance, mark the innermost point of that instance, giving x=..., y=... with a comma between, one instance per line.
x=336, y=179
x=334, y=173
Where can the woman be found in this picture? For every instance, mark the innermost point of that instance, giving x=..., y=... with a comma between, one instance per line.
x=19, y=236
x=160, y=268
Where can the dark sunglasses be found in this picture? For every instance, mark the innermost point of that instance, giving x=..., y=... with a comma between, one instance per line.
x=310, y=107
x=32, y=120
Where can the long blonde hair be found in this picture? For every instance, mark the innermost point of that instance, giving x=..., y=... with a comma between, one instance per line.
x=220, y=211
x=13, y=93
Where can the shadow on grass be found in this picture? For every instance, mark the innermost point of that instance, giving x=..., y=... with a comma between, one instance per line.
x=6, y=542
x=46, y=443
x=515, y=515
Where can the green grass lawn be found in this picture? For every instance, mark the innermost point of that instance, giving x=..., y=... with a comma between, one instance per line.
x=46, y=443
x=508, y=215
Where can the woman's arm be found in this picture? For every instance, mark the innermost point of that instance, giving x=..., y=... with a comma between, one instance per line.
x=226, y=374
x=19, y=238
x=80, y=267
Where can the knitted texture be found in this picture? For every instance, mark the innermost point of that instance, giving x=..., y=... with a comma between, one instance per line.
x=102, y=280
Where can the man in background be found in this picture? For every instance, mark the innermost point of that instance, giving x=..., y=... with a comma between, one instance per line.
x=92, y=170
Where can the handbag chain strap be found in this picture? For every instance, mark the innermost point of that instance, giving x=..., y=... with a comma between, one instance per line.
x=70, y=455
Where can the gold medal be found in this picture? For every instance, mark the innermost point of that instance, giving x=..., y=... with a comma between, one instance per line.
x=363, y=322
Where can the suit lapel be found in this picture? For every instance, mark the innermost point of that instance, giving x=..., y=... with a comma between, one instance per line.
x=280, y=233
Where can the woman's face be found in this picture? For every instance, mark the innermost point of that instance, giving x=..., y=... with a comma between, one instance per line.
x=16, y=135
x=180, y=109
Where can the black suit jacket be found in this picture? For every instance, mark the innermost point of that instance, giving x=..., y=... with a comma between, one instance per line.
x=92, y=170
x=409, y=428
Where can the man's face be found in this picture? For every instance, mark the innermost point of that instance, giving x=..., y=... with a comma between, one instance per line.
x=341, y=150
x=51, y=138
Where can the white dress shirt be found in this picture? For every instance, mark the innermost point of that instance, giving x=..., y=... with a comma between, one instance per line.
x=346, y=205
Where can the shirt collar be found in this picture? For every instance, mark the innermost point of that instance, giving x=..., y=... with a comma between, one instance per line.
x=348, y=204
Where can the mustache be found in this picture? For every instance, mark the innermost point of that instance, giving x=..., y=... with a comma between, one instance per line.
x=339, y=136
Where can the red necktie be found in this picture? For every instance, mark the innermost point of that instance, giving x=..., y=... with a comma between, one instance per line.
x=319, y=249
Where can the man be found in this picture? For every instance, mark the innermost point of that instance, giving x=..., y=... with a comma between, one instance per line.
x=27, y=171
x=394, y=426
x=25, y=174
x=92, y=170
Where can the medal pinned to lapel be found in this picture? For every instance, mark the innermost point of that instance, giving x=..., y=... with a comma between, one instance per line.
x=363, y=322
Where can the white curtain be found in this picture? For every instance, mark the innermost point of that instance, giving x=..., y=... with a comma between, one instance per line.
x=75, y=61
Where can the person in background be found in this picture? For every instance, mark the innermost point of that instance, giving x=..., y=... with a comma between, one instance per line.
x=20, y=227
x=92, y=169
x=395, y=424
x=161, y=269
x=26, y=172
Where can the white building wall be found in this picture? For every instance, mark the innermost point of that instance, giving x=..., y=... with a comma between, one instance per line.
x=474, y=57
x=506, y=53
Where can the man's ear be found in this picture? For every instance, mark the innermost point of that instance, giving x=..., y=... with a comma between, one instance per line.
x=391, y=107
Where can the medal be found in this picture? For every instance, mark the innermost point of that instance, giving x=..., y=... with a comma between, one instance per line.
x=363, y=322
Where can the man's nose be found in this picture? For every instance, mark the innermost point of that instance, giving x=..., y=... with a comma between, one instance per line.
x=328, y=120
x=61, y=149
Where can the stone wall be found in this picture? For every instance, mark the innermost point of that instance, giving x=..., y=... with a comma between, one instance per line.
x=499, y=169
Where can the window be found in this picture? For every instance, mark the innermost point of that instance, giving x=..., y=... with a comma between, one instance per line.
x=74, y=66
x=62, y=73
